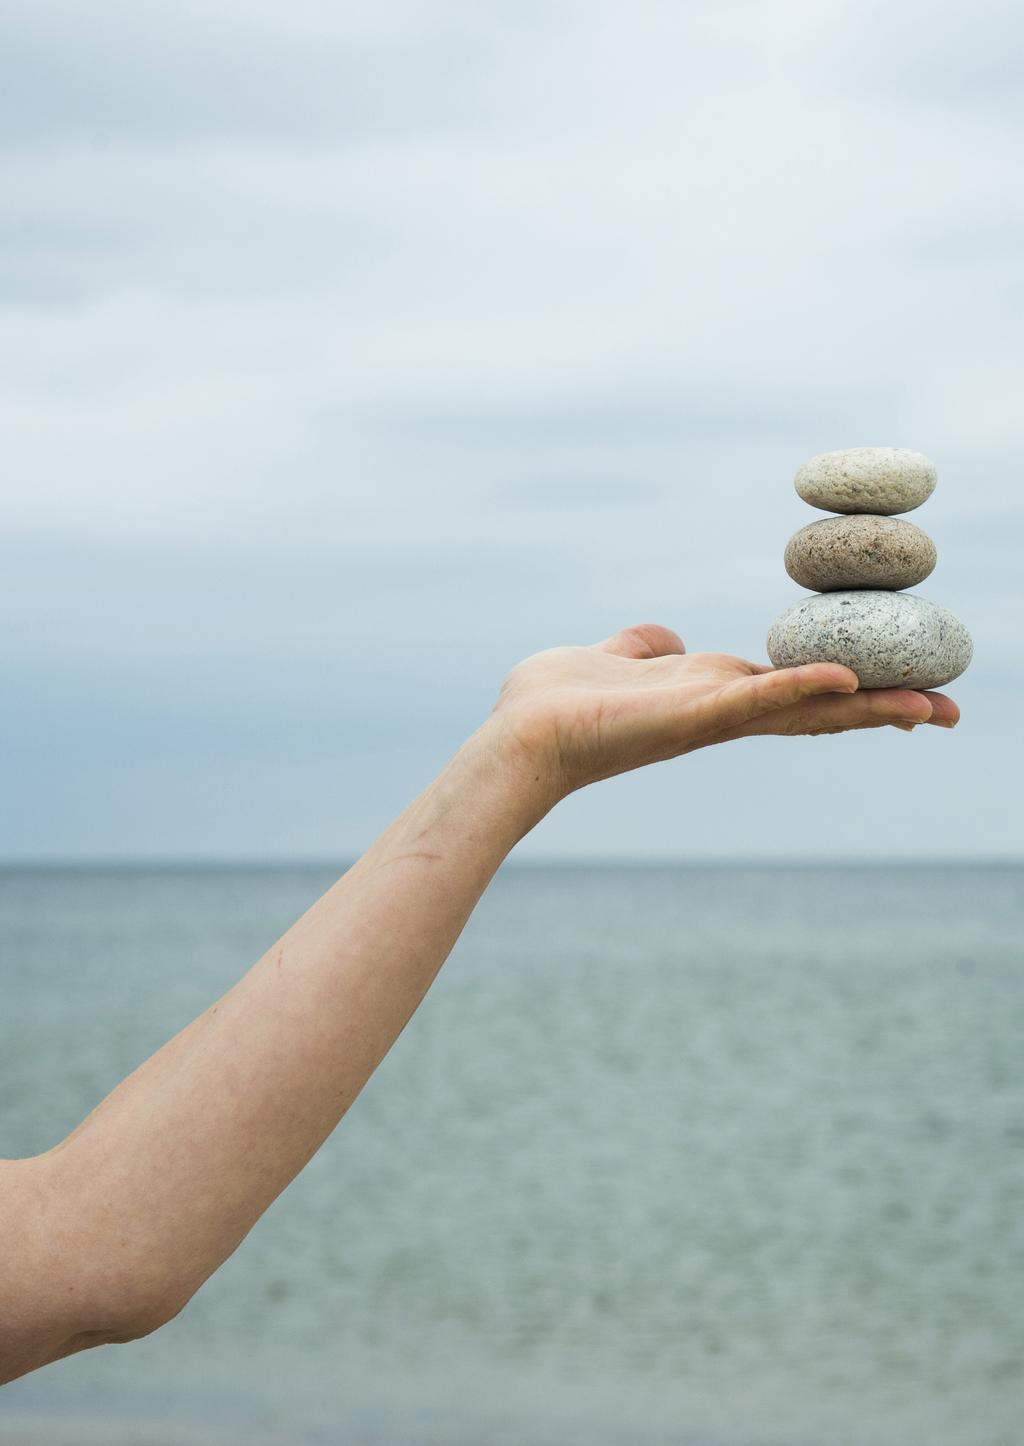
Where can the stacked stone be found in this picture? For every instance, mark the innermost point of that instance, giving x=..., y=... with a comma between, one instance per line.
x=858, y=563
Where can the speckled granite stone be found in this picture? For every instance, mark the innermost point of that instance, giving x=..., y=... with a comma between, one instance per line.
x=867, y=479
x=889, y=639
x=859, y=551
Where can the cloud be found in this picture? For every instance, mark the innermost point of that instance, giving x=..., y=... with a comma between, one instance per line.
x=956, y=58
x=301, y=72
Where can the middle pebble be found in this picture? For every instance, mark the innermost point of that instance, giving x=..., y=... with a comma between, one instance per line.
x=859, y=550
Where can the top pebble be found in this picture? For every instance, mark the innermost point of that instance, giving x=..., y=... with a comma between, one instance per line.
x=880, y=480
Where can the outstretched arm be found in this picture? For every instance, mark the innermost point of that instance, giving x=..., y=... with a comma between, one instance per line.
x=106, y=1237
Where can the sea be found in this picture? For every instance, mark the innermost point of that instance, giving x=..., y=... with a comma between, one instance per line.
x=703, y=1155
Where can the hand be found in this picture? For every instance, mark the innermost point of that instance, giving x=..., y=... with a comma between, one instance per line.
x=584, y=713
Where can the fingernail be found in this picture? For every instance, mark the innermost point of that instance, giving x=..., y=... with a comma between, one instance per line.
x=907, y=727
x=944, y=722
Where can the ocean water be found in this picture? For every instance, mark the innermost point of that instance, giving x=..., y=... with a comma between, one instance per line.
x=707, y=1156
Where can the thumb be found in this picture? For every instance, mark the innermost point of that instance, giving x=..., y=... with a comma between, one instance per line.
x=643, y=640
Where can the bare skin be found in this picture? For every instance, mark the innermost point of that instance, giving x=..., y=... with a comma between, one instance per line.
x=105, y=1237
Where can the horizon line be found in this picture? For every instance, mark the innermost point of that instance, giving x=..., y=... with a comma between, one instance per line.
x=541, y=861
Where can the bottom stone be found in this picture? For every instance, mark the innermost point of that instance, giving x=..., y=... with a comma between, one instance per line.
x=889, y=639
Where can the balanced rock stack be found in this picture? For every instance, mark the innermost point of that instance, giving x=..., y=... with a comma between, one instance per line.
x=858, y=563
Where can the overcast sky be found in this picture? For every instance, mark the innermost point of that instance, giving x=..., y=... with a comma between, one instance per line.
x=351, y=353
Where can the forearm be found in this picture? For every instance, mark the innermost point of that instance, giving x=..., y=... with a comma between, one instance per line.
x=171, y=1171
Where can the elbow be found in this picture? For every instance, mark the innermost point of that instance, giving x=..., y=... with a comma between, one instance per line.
x=100, y=1324
x=127, y=1299
x=141, y=1316
x=66, y=1283
x=40, y=1339
x=126, y=1284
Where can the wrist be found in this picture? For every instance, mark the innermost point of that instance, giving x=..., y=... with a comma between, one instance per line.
x=508, y=776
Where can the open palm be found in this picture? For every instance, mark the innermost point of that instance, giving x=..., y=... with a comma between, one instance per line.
x=584, y=713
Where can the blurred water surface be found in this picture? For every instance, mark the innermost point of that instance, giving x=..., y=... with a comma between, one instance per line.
x=724, y=1156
